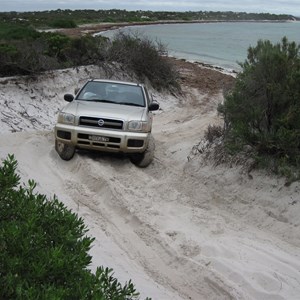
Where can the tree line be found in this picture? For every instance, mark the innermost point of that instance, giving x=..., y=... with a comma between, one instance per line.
x=56, y=18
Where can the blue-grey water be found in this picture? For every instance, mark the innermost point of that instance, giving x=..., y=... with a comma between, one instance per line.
x=218, y=44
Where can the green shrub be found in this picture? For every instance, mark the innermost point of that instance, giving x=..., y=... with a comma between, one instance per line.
x=144, y=56
x=8, y=49
x=44, y=248
x=263, y=108
x=26, y=58
x=49, y=51
x=8, y=57
x=85, y=50
x=62, y=23
x=56, y=43
x=17, y=32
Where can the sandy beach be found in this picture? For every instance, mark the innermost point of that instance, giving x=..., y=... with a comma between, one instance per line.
x=180, y=229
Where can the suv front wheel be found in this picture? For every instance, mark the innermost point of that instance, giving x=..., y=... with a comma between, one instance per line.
x=66, y=152
x=144, y=159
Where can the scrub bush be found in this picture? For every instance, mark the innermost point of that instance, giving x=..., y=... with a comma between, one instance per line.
x=262, y=111
x=44, y=248
x=145, y=57
x=24, y=51
x=85, y=50
x=63, y=23
x=17, y=32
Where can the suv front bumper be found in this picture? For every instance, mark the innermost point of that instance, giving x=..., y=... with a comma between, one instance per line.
x=102, y=139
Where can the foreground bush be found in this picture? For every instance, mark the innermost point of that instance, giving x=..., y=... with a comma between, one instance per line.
x=263, y=109
x=44, y=248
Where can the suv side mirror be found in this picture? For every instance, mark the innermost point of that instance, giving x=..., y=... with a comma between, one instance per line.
x=153, y=106
x=69, y=97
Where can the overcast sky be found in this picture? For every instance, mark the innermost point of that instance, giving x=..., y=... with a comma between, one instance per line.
x=271, y=6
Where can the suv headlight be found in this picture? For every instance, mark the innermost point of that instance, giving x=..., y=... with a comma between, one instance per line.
x=138, y=126
x=66, y=118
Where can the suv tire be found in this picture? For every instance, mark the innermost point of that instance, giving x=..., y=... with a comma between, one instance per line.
x=144, y=159
x=66, y=152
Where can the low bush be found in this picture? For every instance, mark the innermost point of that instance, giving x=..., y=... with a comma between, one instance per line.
x=17, y=32
x=213, y=132
x=23, y=58
x=44, y=248
x=145, y=57
x=62, y=23
x=85, y=50
x=48, y=52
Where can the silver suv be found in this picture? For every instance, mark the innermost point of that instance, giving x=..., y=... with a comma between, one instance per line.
x=110, y=116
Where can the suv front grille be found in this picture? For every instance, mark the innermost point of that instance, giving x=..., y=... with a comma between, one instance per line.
x=101, y=123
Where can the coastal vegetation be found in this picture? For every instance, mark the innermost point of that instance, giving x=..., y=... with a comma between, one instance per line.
x=66, y=18
x=44, y=248
x=26, y=51
x=262, y=111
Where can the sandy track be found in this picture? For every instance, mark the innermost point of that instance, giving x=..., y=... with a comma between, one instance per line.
x=179, y=229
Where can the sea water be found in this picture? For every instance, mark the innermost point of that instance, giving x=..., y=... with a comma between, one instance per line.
x=223, y=44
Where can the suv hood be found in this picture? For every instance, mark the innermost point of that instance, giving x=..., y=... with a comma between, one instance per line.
x=104, y=110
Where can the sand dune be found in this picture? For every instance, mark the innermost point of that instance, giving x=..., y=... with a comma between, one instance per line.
x=179, y=229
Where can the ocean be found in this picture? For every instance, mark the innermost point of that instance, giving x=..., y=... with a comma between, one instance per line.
x=221, y=44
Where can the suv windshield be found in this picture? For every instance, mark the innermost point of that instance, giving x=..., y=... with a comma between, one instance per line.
x=112, y=93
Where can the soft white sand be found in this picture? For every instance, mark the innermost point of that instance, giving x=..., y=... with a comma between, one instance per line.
x=178, y=229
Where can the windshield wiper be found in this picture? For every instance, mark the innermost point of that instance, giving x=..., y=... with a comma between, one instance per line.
x=102, y=100
x=132, y=104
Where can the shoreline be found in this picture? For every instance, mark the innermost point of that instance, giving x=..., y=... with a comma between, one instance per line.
x=94, y=28
x=202, y=77
x=98, y=28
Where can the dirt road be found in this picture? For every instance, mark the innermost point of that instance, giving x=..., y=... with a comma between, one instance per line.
x=179, y=229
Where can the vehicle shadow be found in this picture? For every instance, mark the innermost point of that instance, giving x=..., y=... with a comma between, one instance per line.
x=105, y=157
